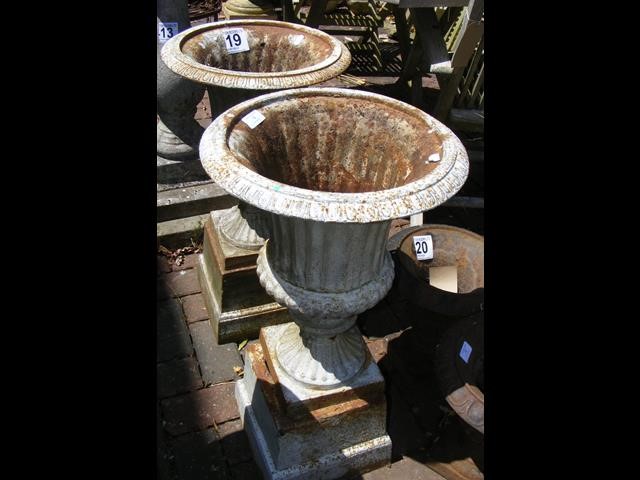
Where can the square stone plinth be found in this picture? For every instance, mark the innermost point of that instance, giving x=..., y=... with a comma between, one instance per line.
x=302, y=433
x=237, y=304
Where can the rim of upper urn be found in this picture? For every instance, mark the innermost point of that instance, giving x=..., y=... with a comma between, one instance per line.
x=335, y=63
x=224, y=166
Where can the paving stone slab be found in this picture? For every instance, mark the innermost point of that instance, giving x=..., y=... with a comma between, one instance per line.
x=162, y=265
x=405, y=469
x=164, y=454
x=162, y=290
x=190, y=261
x=235, y=443
x=194, y=308
x=198, y=456
x=179, y=284
x=174, y=346
x=246, y=471
x=173, y=340
x=178, y=376
x=217, y=362
x=200, y=409
x=170, y=318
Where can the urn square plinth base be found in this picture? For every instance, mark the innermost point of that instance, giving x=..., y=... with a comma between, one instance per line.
x=237, y=304
x=297, y=432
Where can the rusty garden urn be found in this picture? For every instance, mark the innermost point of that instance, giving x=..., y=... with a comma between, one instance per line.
x=280, y=55
x=331, y=168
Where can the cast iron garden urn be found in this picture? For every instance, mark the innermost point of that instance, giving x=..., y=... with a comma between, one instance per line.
x=331, y=168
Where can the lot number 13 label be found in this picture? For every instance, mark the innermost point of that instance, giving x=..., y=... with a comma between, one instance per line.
x=423, y=245
x=167, y=31
x=235, y=39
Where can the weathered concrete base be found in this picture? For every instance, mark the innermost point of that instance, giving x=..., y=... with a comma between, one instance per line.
x=237, y=304
x=180, y=232
x=320, y=434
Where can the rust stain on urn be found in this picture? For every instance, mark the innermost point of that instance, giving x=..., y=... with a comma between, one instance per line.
x=337, y=144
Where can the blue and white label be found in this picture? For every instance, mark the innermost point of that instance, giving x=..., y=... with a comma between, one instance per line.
x=167, y=30
x=465, y=352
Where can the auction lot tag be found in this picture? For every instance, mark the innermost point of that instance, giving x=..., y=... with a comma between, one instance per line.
x=167, y=31
x=235, y=39
x=465, y=352
x=423, y=245
x=253, y=119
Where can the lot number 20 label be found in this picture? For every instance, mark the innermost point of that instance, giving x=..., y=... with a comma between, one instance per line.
x=235, y=39
x=423, y=245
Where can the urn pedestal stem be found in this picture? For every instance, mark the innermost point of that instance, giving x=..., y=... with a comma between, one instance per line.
x=326, y=274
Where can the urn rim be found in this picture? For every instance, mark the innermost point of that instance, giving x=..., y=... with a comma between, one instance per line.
x=425, y=193
x=334, y=64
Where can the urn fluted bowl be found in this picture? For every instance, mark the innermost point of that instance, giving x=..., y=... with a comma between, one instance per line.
x=331, y=168
x=281, y=55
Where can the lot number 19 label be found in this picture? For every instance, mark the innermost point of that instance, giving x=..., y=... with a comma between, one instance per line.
x=235, y=39
x=423, y=245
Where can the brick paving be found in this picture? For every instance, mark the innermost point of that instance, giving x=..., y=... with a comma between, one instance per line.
x=200, y=433
x=194, y=308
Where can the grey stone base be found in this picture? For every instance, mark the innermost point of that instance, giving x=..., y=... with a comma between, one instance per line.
x=359, y=458
x=327, y=441
x=237, y=304
x=236, y=324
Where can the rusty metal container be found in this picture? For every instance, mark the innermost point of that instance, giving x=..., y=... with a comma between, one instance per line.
x=452, y=246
